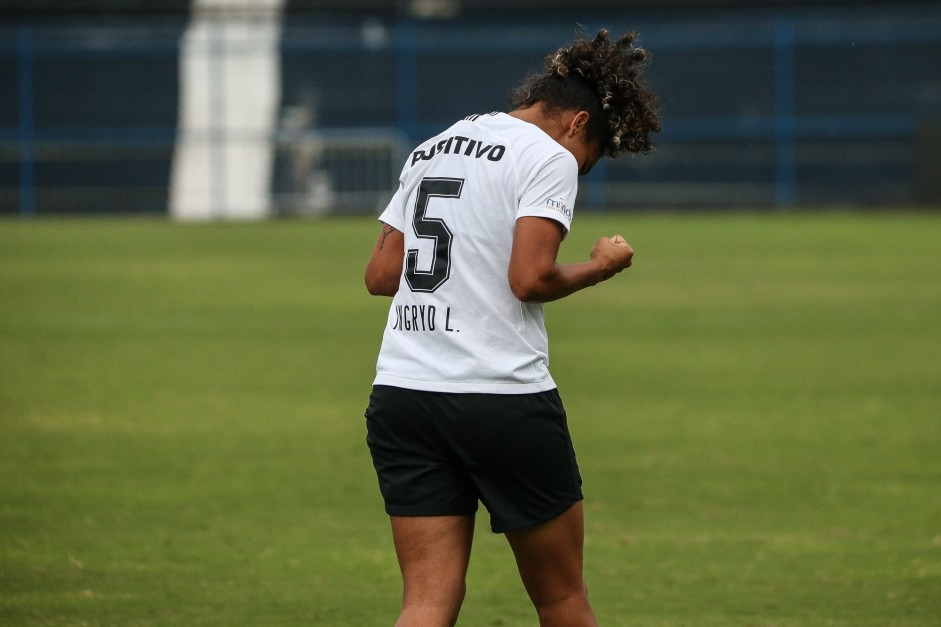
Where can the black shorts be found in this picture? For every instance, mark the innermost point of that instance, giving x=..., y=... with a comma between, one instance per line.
x=437, y=454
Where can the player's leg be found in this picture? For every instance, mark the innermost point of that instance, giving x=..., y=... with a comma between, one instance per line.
x=433, y=553
x=550, y=559
x=527, y=474
x=429, y=497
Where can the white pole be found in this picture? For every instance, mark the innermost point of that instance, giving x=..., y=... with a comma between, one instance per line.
x=230, y=89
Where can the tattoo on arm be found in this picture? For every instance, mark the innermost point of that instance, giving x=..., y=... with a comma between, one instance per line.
x=386, y=232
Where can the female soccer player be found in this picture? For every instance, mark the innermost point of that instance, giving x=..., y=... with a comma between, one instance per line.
x=463, y=408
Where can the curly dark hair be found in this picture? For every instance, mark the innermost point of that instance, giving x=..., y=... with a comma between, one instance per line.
x=603, y=78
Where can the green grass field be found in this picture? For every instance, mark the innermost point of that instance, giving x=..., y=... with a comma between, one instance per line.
x=756, y=407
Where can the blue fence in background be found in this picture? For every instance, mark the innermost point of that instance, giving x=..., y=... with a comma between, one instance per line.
x=761, y=109
x=87, y=117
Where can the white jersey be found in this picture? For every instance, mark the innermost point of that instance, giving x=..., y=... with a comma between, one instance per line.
x=455, y=325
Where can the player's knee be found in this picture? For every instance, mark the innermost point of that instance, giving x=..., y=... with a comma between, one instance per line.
x=431, y=611
x=572, y=596
x=568, y=610
x=435, y=594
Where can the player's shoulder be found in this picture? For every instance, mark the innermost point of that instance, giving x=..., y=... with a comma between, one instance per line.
x=499, y=123
x=527, y=139
x=483, y=117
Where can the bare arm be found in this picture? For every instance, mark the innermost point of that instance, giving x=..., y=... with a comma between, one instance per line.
x=385, y=264
x=536, y=276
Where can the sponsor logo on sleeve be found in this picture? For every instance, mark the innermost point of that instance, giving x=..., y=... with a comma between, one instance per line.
x=560, y=206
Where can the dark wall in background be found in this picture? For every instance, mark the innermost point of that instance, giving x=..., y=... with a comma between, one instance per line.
x=802, y=106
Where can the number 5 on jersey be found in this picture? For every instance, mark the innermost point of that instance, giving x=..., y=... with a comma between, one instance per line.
x=435, y=229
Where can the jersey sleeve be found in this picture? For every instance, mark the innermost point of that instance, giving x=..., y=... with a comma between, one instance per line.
x=550, y=191
x=394, y=213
